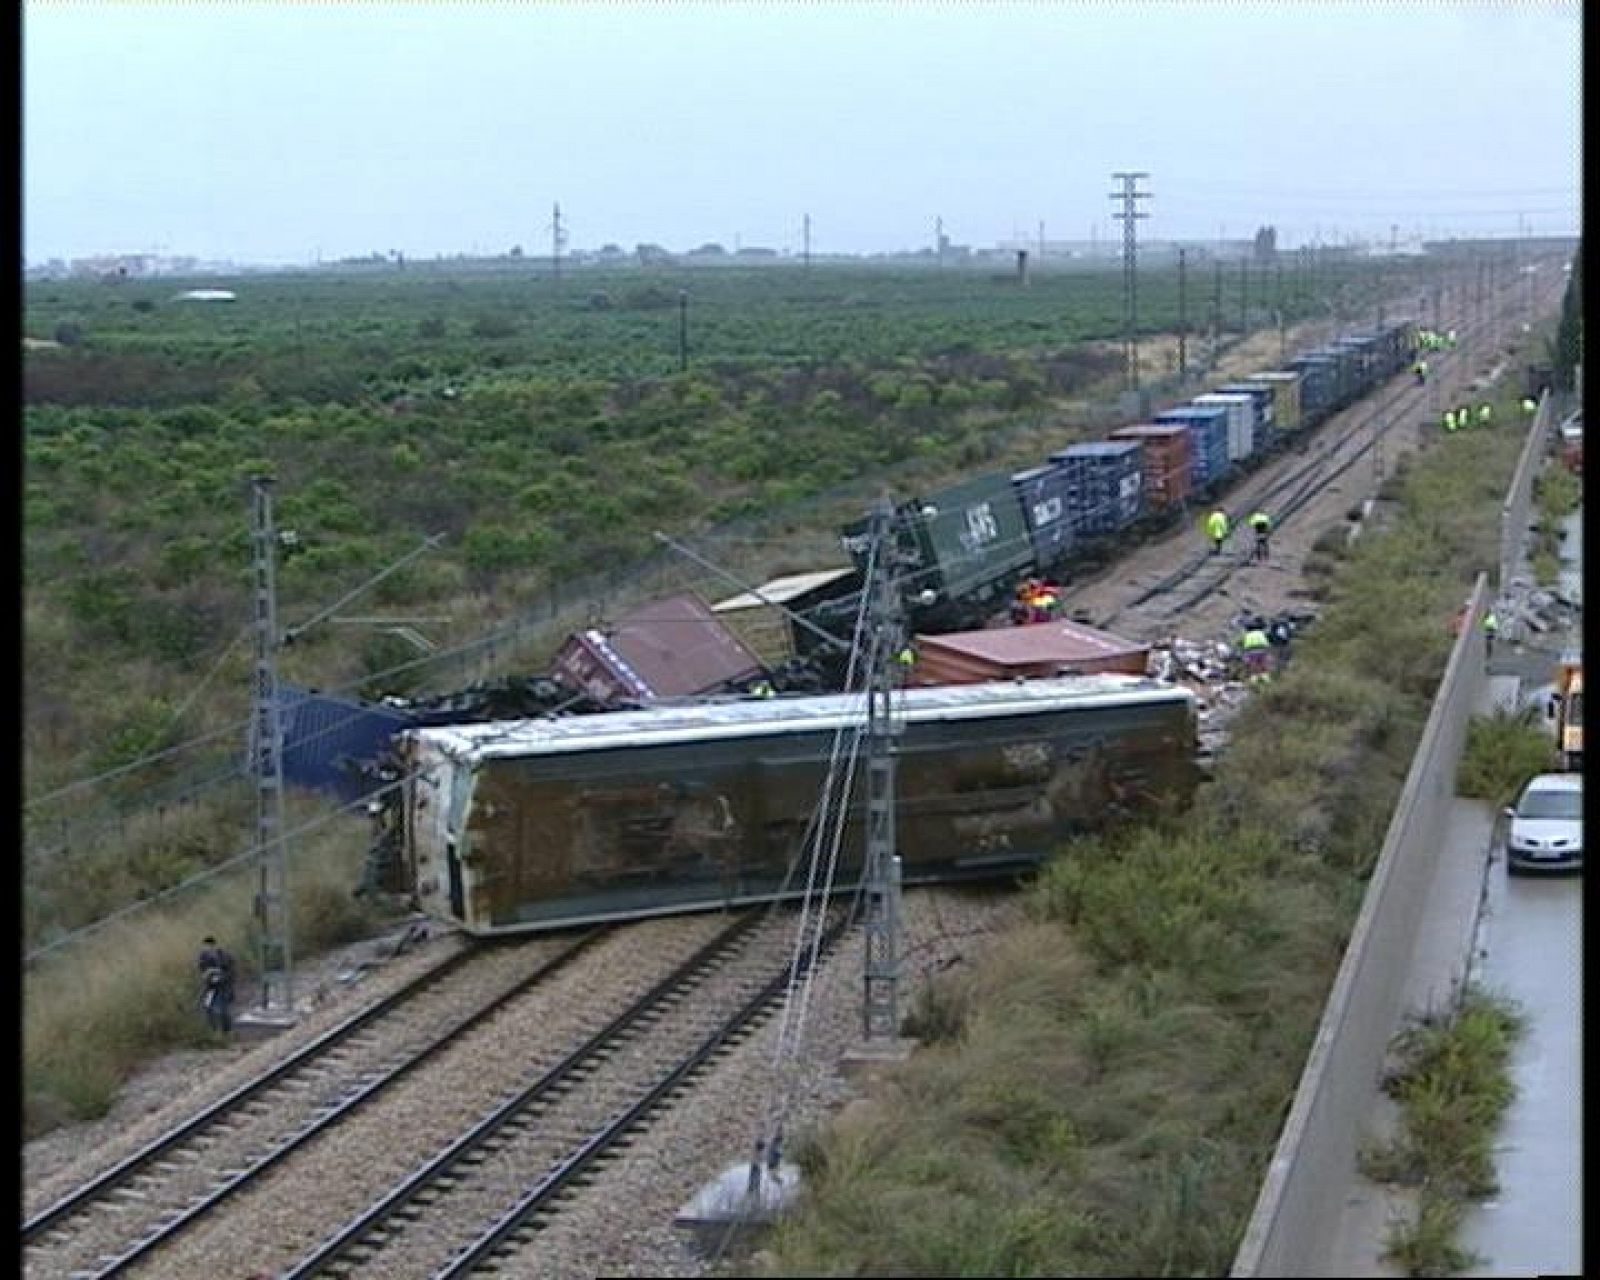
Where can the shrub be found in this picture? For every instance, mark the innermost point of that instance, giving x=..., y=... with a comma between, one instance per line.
x=1453, y=1086
x=1502, y=752
x=492, y=327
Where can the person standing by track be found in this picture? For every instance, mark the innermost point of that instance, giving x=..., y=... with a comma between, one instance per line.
x=1261, y=525
x=216, y=978
x=1491, y=629
x=1217, y=530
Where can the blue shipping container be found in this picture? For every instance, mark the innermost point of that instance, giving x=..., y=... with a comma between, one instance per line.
x=1318, y=379
x=324, y=738
x=1043, y=494
x=1208, y=440
x=1104, y=484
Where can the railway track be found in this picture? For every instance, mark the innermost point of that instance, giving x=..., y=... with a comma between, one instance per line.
x=145, y=1201
x=486, y=1194
x=1203, y=573
x=516, y=1165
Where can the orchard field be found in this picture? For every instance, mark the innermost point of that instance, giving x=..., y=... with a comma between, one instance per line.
x=541, y=423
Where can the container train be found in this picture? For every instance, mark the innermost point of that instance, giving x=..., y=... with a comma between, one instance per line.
x=519, y=826
x=507, y=826
x=960, y=549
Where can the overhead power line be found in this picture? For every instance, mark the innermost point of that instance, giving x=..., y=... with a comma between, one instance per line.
x=1129, y=217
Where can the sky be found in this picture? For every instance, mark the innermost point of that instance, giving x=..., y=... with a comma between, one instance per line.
x=293, y=131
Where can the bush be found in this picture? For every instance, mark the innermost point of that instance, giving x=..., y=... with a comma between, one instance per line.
x=1453, y=1086
x=493, y=327
x=1502, y=752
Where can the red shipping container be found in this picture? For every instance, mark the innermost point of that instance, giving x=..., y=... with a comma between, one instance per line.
x=671, y=648
x=1166, y=461
x=1038, y=650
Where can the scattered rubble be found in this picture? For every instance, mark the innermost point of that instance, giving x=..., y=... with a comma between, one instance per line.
x=1524, y=609
x=1210, y=670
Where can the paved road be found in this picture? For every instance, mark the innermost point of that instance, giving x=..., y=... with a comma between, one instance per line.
x=1532, y=937
x=1530, y=948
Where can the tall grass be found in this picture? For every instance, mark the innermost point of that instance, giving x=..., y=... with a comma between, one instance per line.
x=115, y=1000
x=1557, y=493
x=1101, y=1094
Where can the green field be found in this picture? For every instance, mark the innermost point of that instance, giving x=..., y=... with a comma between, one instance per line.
x=542, y=425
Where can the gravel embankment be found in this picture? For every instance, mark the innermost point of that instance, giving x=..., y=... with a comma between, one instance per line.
x=272, y=1224
x=164, y=1095
x=622, y=1224
x=188, y=1174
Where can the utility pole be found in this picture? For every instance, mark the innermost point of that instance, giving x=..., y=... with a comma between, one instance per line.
x=1183, y=321
x=806, y=237
x=1041, y=242
x=881, y=969
x=1244, y=295
x=683, y=330
x=1129, y=217
x=938, y=240
x=1283, y=343
x=1216, y=314
x=272, y=893
x=558, y=238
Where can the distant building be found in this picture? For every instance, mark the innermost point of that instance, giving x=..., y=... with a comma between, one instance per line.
x=206, y=295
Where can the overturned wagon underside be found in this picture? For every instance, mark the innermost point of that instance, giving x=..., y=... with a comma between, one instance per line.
x=556, y=839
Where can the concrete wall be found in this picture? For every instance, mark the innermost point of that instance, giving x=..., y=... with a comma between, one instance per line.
x=1298, y=1211
x=1516, y=510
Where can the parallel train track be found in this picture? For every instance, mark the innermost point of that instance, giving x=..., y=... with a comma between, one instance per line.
x=1203, y=573
x=517, y=1163
x=472, y=1204
x=149, y=1198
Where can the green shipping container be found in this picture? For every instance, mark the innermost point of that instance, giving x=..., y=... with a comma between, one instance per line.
x=969, y=536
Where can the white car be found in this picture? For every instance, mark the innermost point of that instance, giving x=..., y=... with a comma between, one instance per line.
x=1545, y=826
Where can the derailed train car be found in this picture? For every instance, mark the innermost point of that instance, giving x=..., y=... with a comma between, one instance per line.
x=519, y=826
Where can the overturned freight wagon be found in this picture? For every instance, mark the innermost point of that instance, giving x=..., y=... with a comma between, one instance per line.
x=670, y=648
x=538, y=824
x=960, y=548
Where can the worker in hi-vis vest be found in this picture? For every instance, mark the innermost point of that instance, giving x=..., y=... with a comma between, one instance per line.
x=1217, y=529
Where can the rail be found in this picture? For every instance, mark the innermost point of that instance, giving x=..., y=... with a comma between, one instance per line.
x=336, y=1251
x=97, y=1188
x=519, y=1218
x=179, y=1221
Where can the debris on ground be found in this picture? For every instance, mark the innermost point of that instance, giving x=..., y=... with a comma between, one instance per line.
x=1523, y=609
x=1210, y=670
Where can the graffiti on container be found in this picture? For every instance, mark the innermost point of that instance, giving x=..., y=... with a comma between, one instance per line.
x=982, y=527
